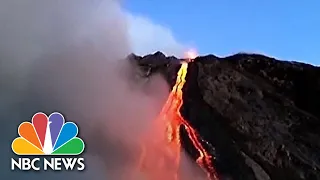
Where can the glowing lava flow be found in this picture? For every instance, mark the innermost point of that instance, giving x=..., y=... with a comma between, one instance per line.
x=172, y=119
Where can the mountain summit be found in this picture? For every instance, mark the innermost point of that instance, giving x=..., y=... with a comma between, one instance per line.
x=260, y=115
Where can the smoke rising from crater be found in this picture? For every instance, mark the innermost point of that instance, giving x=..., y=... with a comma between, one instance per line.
x=68, y=56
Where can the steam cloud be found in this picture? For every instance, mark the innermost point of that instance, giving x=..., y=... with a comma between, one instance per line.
x=68, y=56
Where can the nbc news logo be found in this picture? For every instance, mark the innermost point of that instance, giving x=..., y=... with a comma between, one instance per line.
x=48, y=136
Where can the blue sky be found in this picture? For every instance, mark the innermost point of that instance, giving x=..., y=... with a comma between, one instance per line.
x=286, y=29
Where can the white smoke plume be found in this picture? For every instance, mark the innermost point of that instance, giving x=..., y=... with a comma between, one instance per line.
x=68, y=56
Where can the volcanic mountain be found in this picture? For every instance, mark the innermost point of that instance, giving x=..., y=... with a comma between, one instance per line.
x=261, y=116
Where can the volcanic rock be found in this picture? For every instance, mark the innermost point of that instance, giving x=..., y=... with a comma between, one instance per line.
x=260, y=115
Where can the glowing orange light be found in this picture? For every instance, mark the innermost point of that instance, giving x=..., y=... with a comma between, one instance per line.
x=173, y=120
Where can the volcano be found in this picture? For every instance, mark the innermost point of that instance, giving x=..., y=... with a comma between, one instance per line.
x=257, y=116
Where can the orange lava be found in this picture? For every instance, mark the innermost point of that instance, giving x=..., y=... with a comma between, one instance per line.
x=170, y=115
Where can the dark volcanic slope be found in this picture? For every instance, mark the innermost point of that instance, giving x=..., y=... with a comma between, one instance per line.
x=261, y=115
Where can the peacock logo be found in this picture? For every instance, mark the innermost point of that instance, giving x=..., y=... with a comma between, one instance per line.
x=48, y=135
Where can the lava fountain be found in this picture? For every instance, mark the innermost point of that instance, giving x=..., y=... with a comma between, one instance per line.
x=163, y=157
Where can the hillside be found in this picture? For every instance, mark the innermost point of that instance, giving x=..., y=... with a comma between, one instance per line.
x=261, y=115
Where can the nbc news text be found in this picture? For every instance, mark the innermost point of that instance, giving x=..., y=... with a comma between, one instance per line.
x=55, y=164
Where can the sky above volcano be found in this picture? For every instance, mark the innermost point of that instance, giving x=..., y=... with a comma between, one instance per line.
x=288, y=30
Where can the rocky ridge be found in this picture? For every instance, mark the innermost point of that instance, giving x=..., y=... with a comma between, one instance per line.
x=261, y=115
